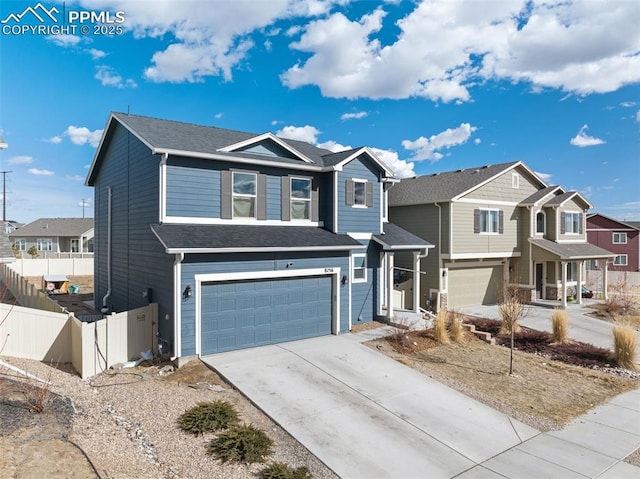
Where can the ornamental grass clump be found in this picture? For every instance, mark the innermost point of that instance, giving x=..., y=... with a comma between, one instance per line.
x=440, y=327
x=625, y=345
x=560, y=324
x=241, y=444
x=456, y=331
x=282, y=470
x=208, y=417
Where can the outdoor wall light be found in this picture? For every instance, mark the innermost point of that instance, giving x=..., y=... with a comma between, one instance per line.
x=344, y=279
x=444, y=273
x=186, y=294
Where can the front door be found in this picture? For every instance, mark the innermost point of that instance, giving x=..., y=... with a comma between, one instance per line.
x=539, y=280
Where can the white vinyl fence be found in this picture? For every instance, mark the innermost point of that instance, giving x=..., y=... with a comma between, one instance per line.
x=40, y=267
x=62, y=338
x=28, y=295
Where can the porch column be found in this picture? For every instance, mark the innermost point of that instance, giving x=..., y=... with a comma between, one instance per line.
x=563, y=275
x=604, y=279
x=389, y=286
x=579, y=286
x=416, y=282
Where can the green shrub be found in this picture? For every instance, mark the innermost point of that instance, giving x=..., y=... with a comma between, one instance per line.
x=625, y=346
x=208, y=417
x=245, y=443
x=282, y=470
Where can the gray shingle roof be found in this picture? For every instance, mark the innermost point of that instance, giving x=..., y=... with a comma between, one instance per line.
x=540, y=194
x=6, y=252
x=226, y=238
x=442, y=186
x=61, y=227
x=635, y=224
x=175, y=135
x=569, y=251
x=396, y=238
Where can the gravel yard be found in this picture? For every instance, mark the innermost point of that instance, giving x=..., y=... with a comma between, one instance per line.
x=125, y=422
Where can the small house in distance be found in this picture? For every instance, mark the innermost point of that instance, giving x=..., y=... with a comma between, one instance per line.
x=54, y=237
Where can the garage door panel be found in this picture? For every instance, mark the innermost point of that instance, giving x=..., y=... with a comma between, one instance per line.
x=471, y=286
x=250, y=313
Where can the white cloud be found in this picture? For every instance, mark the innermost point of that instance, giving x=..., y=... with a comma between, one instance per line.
x=333, y=146
x=546, y=177
x=82, y=135
x=428, y=148
x=20, y=160
x=303, y=133
x=401, y=168
x=64, y=40
x=638, y=116
x=96, y=54
x=85, y=202
x=443, y=48
x=218, y=115
x=109, y=77
x=628, y=104
x=354, y=116
x=477, y=141
x=75, y=178
x=55, y=140
x=37, y=172
x=582, y=139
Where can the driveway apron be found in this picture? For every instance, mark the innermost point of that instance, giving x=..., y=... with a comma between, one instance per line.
x=365, y=415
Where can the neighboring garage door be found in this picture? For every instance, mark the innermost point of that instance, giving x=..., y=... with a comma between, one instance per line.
x=243, y=314
x=471, y=286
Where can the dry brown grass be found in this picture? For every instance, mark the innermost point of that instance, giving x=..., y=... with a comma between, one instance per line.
x=549, y=391
x=455, y=329
x=440, y=327
x=560, y=324
x=625, y=345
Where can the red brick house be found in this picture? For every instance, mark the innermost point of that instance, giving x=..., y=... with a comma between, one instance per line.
x=621, y=238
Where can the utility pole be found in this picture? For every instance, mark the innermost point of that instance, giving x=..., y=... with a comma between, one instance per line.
x=4, y=145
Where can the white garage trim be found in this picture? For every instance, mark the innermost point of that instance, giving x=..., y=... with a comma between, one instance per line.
x=251, y=275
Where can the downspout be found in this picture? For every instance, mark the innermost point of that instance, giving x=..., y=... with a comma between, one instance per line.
x=439, y=252
x=177, y=305
x=105, y=309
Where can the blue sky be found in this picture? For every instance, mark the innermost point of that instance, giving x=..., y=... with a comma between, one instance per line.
x=432, y=86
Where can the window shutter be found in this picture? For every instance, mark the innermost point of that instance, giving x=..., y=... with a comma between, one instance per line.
x=261, y=197
x=286, y=198
x=476, y=221
x=563, y=228
x=348, y=192
x=225, y=196
x=315, y=201
x=369, y=193
x=581, y=220
x=501, y=222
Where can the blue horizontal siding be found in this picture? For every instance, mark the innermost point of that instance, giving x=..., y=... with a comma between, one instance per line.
x=193, y=192
x=364, y=296
x=274, y=202
x=359, y=220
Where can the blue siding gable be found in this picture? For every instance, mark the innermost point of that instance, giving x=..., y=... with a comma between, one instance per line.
x=269, y=148
x=353, y=219
x=193, y=191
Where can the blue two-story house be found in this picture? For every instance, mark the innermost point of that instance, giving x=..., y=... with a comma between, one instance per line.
x=241, y=239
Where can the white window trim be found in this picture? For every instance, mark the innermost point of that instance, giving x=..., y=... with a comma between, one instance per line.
x=535, y=223
x=576, y=233
x=364, y=267
x=235, y=195
x=613, y=238
x=49, y=243
x=497, y=232
x=21, y=244
x=291, y=198
x=626, y=260
x=364, y=196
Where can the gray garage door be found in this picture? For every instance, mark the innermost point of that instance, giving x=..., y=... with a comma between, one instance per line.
x=242, y=314
x=471, y=286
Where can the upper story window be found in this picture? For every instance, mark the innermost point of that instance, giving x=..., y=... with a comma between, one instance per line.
x=359, y=193
x=359, y=273
x=541, y=221
x=571, y=223
x=244, y=195
x=21, y=244
x=44, y=244
x=300, y=198
x=619, y=238
x=488, y=221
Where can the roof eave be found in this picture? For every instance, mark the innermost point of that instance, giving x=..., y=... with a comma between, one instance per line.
x=261, y=249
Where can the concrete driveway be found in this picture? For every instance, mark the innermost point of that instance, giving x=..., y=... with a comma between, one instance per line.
x=364, y=414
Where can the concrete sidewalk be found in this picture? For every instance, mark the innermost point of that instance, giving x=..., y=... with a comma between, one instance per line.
x=367, y=416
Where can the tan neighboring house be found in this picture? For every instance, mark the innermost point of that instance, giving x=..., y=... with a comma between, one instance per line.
x=53, y=237
x=494, y=226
